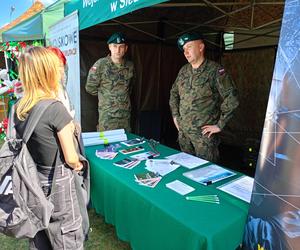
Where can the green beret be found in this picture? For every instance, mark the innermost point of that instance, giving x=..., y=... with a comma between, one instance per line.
x=117, y=38
x=187, y=37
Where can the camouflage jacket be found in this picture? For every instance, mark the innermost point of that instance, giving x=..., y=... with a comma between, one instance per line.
x=112, y=83
x=203, y=96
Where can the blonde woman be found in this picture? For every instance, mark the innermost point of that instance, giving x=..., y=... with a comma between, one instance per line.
x=51, y=146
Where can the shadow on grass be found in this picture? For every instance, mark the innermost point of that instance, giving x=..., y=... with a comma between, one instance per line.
x=101, y=237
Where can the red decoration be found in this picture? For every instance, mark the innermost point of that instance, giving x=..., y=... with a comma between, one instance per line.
x=5, y=123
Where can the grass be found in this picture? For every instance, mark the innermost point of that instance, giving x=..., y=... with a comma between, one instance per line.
x=101, y=237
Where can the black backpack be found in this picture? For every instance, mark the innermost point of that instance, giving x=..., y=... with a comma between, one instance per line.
x=24, y=209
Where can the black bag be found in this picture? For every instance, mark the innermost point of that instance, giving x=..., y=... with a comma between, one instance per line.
x=24, y=209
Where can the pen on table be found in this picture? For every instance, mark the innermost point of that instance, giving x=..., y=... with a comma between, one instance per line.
x=208, y=200
x=214, y=202
x=205, y=195
x=204, y=198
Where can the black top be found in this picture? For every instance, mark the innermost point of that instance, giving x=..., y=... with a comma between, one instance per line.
x=43, y=142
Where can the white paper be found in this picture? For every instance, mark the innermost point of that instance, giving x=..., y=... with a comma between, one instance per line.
x=103, y=133
x=180, y=187
x=187, y=160
x=240, y=188
x=109, y=139
x=208, y=175
x=144, y=155
x=161, y=166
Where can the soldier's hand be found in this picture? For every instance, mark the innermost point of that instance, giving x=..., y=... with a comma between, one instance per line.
x=210, y=129
x=176, y=123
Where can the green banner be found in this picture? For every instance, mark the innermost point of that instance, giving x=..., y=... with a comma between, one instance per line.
x=92, y=12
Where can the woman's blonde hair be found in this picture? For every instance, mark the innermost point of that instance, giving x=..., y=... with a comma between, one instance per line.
x=39, y=72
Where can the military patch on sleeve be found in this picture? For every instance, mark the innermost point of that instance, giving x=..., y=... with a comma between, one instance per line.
x=93, y=68
x=221, y=71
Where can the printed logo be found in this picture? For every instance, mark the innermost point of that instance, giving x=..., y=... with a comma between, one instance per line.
x=260, y=248
x=89, y=3
x=181, y=41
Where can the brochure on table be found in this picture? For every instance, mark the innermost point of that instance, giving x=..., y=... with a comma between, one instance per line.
x=240, y=188
x=108, y=152
x=148, y=179
x=187, y=160
x=127, y=163
x=180, y=187
x=209, y=174
x=131, y=150
x=144, y=155
x=161, y=166
x=133, y=142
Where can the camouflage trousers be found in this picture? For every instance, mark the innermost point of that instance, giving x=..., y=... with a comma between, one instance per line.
x=199, y=145
x=107, y=122
x=65, y=227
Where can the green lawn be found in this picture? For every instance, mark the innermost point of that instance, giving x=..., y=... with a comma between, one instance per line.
x=101, y=237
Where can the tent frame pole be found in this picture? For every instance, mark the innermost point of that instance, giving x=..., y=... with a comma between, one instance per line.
x=137, y=29
x=208, y=22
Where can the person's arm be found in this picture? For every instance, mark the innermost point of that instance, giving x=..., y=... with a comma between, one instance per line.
x=229, y=96
x=93, y=79
x=174, y=101
x=228, y=93
x=65, y=136
x=176, y=123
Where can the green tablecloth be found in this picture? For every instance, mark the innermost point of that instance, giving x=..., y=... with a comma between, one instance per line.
x=159, y=218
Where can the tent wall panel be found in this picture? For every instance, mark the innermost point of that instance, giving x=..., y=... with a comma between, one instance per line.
x=252, y=72
x=90, y=51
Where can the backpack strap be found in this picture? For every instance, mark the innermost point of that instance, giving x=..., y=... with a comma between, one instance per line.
x=11, y=132
x=35, y=117
x=33, y=120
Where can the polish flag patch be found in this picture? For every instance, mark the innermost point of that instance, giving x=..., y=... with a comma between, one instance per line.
x=221, y=71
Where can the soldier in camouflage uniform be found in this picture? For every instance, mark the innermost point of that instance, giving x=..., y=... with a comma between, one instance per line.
x=202, y=100
x=111, y=79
